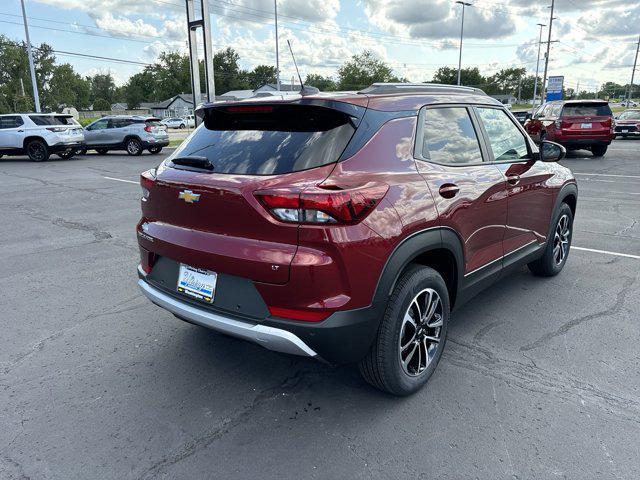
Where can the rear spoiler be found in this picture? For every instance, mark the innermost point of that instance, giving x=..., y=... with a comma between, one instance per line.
x=206, y=111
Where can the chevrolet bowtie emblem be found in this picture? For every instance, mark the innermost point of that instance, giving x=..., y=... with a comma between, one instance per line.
x=188, y=196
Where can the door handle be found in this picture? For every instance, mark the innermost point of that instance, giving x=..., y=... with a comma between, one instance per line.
x=20, y=131
x=513, y=179
x=448, y=190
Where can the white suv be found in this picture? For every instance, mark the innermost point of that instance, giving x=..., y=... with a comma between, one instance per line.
x=38, y=135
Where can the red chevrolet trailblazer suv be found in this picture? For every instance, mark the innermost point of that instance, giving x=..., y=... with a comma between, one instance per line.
x=575, y=124
x=346, y=226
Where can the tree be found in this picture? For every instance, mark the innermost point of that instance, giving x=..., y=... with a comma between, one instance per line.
x=101, y=104
x=324, y=84
x=363, y=70
x=103, y=87
x=66, y=88
x=468, y=76
x=228, y=75
x=261, y=75
x=506, y=81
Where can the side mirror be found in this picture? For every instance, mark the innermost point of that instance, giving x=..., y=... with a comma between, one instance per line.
x=551, y=151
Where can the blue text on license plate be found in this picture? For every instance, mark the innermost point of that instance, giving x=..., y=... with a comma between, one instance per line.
x=197, y=283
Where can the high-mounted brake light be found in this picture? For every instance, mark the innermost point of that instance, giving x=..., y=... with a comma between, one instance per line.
x=250, y=109
x=323, y=205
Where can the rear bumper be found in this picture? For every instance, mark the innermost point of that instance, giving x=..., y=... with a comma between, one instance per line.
x=155, y=143
x=62, y=146
x=583, y=142
x=269, y=337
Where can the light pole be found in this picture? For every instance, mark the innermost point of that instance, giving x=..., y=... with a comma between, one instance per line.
x=546, y=59
x=32, y=68
x=275, y=8
x=633, y=73
x=535, y=83
x=464, y=4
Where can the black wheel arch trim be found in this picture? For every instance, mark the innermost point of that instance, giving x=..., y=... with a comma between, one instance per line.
x=418, y=243
x=568, y=189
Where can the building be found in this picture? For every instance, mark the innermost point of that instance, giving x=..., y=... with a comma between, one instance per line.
x=505, y=99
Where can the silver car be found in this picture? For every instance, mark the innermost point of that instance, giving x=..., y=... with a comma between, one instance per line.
x=131, y=133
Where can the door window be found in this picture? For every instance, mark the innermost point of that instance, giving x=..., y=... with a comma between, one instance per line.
x=449, y=137
x=11, y=121
x=99, y=125
x=505, y=139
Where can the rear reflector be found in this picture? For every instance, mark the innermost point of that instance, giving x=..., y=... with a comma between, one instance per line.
x=302, y=315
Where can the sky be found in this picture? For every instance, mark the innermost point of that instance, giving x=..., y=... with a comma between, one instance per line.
x=594, y=40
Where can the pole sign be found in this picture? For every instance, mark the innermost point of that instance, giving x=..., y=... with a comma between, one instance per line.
x=554, y=88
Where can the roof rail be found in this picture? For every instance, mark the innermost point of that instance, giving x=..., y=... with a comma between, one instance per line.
x=380, y=88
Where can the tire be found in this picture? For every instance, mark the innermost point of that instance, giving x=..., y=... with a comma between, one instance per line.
x=102, y=151
x=37, y=151
x=155, y=150
x=66, y=154
x=599, y=150
x=82, y=151
x=548, y=265
x=133, y=147
x=392, y=367
x=182, y=126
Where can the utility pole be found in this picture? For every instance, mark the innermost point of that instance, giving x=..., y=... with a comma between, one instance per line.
x=633, y=73
x=32, y=68
x=535, y=83
x=275, y=8
x=546, y=59
x=464, y=4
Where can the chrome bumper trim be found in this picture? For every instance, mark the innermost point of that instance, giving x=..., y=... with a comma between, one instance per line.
x=269, y=337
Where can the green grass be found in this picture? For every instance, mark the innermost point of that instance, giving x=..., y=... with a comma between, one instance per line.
x=176, y=142
x=521, y=106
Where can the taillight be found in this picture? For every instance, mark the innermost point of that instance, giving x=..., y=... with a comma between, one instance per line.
x=148, y=128
x=57, y=129
x=147, y=180
x=323, y=204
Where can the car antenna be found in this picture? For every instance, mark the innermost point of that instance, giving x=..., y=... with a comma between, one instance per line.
x=303, y=89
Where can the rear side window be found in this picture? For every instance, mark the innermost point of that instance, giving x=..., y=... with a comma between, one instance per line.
x=588, y=109
x=269, y=139
x=12, y=121
x=45, y=120
x=449, y=137
x=505, y=139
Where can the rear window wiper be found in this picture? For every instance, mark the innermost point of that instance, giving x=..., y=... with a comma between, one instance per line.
x=193, y=161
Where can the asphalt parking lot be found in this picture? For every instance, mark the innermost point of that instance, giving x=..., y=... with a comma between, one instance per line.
x=539, y=378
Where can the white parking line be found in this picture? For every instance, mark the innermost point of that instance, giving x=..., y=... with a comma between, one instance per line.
x=606, y=252
x=606, y=175
x=121, y=180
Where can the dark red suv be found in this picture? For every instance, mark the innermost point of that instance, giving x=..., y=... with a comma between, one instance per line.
x=575, y=124
x=346, y=226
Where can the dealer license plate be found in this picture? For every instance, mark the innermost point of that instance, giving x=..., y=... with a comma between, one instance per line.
x=197, y=283
x=586, y=125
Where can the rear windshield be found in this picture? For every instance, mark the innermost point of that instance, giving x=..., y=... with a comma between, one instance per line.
x=51, y=120
x=269, y=139
x=630, y=115
x=589, y=109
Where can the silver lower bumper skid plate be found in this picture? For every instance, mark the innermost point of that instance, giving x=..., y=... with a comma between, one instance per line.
x=269, y=337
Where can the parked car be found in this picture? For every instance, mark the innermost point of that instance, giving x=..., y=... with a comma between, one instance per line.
x=126, y=132
x=190, y=120
x=174, y=122
x=575, y=124
x=38, y=135
x=346, y=227
x=522, y=116
x=628, y=124
x=628, y=103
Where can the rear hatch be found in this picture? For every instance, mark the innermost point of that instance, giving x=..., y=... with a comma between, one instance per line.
x=586, y=119
x=201, y=209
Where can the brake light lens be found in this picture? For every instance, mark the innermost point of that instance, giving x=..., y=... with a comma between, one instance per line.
x=148, y=128
x=57, y=129
x=323, y=205
x=302, y=315
x=147, y=180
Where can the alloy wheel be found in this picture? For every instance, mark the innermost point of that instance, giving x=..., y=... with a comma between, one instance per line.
x=133, y=147
x=36, y=151
x=420, y=332
x=561, y=240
